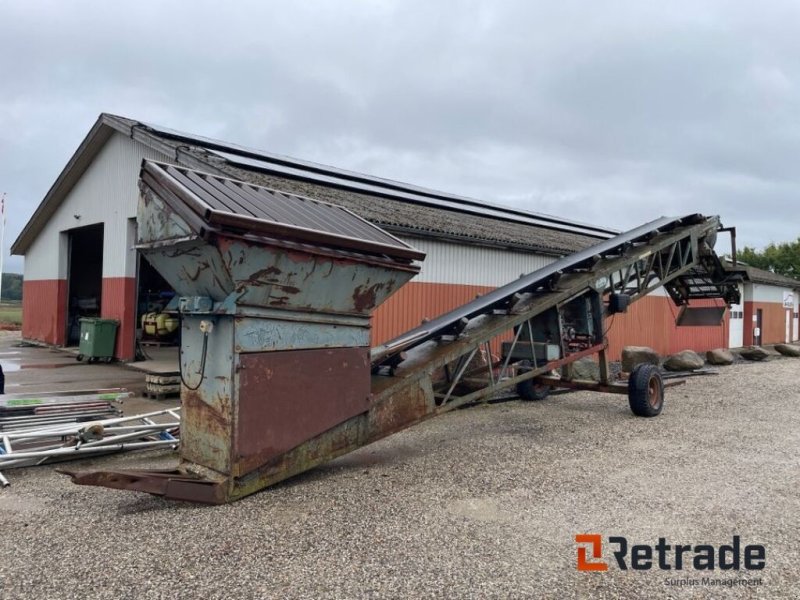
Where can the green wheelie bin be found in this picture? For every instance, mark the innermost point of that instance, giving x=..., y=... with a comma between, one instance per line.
x=98, y=339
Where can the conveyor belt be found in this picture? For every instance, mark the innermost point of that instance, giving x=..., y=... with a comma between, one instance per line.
x=706, y=280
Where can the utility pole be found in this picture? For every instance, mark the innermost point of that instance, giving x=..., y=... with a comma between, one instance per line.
x=2, y=239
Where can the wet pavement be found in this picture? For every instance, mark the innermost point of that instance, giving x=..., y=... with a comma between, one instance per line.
x=34, y=369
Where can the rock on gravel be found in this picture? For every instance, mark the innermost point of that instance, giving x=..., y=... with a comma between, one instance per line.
x=787, y=350
x=636, y=355
x=720, y=356
x=586, y=369
x=685, y=360
x=753, y=353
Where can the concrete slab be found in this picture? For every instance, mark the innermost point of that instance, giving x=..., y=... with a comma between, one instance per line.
x=157, y=367
x=160, y=361
x=33, y=369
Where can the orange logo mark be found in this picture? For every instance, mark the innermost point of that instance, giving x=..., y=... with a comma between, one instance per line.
x=597, y=552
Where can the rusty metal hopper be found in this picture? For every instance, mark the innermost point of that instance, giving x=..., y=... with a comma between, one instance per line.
x=276, y=294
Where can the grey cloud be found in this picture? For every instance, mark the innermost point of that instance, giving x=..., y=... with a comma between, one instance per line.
x=614, y=114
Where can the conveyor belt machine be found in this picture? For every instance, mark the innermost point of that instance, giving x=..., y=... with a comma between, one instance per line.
x=276, y=295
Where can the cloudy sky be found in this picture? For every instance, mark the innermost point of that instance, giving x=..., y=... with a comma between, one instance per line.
x=607, y=112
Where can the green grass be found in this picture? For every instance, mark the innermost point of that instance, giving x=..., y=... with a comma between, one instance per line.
x=11, y=313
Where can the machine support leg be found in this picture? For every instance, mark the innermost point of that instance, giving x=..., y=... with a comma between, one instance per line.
x=604, y=374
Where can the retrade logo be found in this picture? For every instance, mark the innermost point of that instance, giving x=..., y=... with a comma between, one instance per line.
x=665, y=556
x=595, y=542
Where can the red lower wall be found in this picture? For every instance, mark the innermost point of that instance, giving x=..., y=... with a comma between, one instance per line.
x=416, y=301
x=773, y=326
x=648, y=322
x=119, y=302
x=44, y=310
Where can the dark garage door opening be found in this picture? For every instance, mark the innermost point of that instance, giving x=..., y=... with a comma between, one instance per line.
x=85, y=278
x=153, y=297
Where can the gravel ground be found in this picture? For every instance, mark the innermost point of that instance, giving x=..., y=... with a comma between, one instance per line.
x=480, y=503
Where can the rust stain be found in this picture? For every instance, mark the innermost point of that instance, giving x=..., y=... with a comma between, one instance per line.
x=200, y=268
x=180, y=251
x=265, y=273
x=364, y=298
x=197, y=409
x=400, y=410
x=279, y=301
x=205, y=420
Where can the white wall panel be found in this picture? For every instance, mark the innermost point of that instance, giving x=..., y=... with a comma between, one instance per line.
x=106, y=193
x=473, y=264
x=765, y=293
x=736, y=324
x=459, y=263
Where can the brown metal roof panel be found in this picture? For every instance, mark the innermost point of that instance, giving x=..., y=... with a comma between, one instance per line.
x=219, y=200
x=235, y=193
x=199, y=188
x=227, y=203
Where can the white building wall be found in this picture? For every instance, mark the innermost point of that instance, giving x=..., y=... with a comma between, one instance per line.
x=758, y=292
x=106, y=193
x=459, y=263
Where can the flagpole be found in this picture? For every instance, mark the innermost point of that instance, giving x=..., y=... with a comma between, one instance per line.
x=2, y=239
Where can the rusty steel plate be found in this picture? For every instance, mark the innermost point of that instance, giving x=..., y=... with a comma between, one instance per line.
x=286, y=398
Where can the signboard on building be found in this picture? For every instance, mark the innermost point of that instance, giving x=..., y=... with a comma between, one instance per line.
x=788, y=300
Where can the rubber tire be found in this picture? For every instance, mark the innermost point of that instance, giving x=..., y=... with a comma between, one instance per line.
x=643, y=382
x=79, y=358
x=529, y=391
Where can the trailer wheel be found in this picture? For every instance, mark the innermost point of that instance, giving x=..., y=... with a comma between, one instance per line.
x=646, y=391
x=530, y=389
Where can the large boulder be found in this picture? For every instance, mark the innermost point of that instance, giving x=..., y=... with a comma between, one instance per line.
x=586, y=369
x=636, y=355
x=788, y=350
x=685, y=360
x=720, y=356
x=753, y=353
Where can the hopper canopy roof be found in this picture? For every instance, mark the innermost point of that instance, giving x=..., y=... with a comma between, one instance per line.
x=230, y=205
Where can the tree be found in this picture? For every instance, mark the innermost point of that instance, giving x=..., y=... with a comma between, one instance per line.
x=12, y=287
x=783, y=258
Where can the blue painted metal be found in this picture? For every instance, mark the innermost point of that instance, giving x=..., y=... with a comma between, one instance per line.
x=264, y=335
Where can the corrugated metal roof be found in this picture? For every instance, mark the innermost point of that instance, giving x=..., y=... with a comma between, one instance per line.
x=328, y=175
x=229, y=204
x=398, y=207
x=426, y=221
x=762, y=276
x=454, y=203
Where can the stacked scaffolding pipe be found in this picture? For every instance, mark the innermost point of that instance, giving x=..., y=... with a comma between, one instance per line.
x=32, y=447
